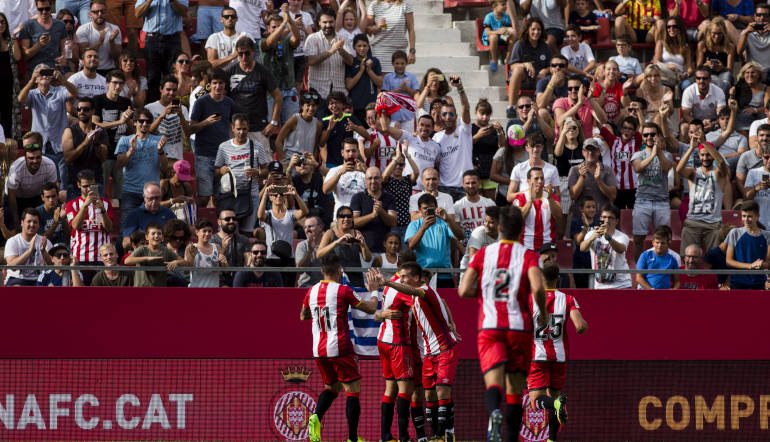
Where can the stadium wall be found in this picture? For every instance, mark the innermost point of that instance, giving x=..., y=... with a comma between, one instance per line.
x=89, y=364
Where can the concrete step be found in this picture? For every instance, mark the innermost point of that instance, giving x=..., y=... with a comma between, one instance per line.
x=467, y=30
x=435, y=49
x=429, y=7
x=432, y=21
x=451, y=63
x=491, y=93
x=470, y=78
x=448, y=35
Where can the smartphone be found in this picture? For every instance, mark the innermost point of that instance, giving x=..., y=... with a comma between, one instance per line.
x=354, y=240
x=217, y=114
x=439, y=77
x=46, y=72
x=175, y=101
x=280, y=189
x=430, y=211
x=300, y=160
x=765, y=178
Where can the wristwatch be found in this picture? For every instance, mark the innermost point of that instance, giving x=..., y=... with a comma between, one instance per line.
x=273, y=123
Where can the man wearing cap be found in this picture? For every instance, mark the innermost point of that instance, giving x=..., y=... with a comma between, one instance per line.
x=170, y=118
x=591, y=178
x=28, y=175
x=60, y=254
x=549, y=255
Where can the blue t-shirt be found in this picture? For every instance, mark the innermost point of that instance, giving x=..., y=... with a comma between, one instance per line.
x=435, y=247
x=748, y=248
x=650, y=260
x=161, y=18
x=207, y=141
x=32, y=30
x=49, y=114
x=143, y=166
x=365, y=91
x=391, y=82
x=745, y=7
x=490, y=21
x=138, y=219
x=580, y=260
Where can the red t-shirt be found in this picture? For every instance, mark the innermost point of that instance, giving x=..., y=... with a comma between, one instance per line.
x=698, y=282
x=611, y=103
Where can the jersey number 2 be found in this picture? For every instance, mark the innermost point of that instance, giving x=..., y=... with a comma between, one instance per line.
x=502, y=280
x=556, y=328
x=322, y=313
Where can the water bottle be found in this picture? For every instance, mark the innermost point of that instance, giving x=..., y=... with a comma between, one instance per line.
x=68, y=49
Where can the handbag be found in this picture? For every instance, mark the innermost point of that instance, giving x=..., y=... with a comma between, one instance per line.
x=240, y=203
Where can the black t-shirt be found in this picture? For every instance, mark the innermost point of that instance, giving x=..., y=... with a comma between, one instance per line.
x=109, y=111
x=314, y=197
x=250, y=90
x=249, y=279
x=401, y=189
x=87, y=159
x=568, y=159
x=483, y=151
x=365, y=91
x=375, y=230
x=338, y=133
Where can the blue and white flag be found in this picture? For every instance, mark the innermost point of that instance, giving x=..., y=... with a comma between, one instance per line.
x=363, y=328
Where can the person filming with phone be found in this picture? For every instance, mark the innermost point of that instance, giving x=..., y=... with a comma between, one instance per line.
x=432, y=239
x=84, y=145
x=754, y=39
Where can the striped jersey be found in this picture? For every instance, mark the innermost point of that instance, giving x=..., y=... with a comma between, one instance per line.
x=328, y=304
x=637, y=9
x=396, y=331
x=619, y=158
x=383, y=154
x=85, y=241
x=504, y=285
x=433, y=321
x=539, y=226
x=550, y=342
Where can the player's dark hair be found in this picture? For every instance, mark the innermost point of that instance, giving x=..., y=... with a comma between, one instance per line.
x=330, y=264
x=492, y=212
x=406, y=255
x=50, y=186
x=426, y=199
x=511, y=222
x=412, y=267
x=551, y=273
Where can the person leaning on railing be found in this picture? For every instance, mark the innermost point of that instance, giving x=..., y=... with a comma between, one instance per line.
x=111, y=278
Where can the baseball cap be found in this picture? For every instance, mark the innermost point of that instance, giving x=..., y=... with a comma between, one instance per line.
x=591, y=144
x=547, y=247
x=182, y=169
x=59, y=246
x=275, y=167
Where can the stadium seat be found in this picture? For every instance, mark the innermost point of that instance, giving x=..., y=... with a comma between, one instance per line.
x=566, y=248
x=480, y=47
x=603, y=40
x=732, y=217
x=627, y=222
x=208, y=213
x=190, y=158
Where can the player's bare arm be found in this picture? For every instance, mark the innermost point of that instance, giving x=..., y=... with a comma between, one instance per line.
x=304, y=314
x=537, y=284
x=468, y=283
x=581, y=326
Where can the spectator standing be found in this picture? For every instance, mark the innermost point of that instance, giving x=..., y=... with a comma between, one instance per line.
x=455, y=143
x=204, y=254
x=391, y=22
x=653, y=91
x=541, y=211
x=652, y=201
x=636, y=18
x=379, y=148
x=374, y=211
x=693, y=260
x=339, y=126
x=308, y=183
x=42, y=38
x=84, y=146
x=747, y=249
x=487, y=138
x=305, y=23
x=87, y=81
x=53, y=217
x=568, y=153
x=26, y=248
x=658, y=259
x=420, y=147
x=111, y=278
x=470, y=210
x=608, y=247
x=307, y=249
x=10, y=54
x=48, y=103
x=733, y=143
x=207, y=21
x=400, y=187
x=220, y=46
x=257, y=258
x=611, y=93
x=327, y=57
x=250, y=84
x=402, y=82
x=432, y=239
x=754, y=39
x=531, y=118
x=347, y=243
x=279, y=221
x=28, y=175
x=433, y=92
x=90, y=219
x=552, y=15
x=209, y=121
x=105, y=37
x=443, y=201
x=170, y=118
x=578, y=229
x=578, y=105
x=135, y=87
x=278, y=57
x=114, y=114
x=301, y=133
x=163, y=25
x=520, y=173
x=349, y=21
x=60, y=256
x=591, y=178
x=584, y=21
x=348, y=179
x=234, y=245
x=250, y=16
x=363, y=77
x=155, y=253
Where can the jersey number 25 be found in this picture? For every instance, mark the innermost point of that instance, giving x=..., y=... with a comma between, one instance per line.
x=552, y=330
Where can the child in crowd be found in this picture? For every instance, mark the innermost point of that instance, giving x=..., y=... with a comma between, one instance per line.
x=498, y=25
x=583, y=17
x=579, y=55
x=204, y=254
x=629, y=66
x=155, y=253
x=363, y=78
x=657, y=259
x=402, y=82
x=349, y=21
x=136, y=240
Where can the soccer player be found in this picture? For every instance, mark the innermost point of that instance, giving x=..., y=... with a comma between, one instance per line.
x=549, y=364
x=505, y=273
x=326, y=303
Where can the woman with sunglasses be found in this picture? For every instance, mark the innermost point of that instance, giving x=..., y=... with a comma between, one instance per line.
x=654, y=92
x=71, y=53
x=279, y=221
x=135, y=85
x=716, y=52
x=568, y=152
x=10, y=54
x=347, y=243
x=752, y=94
x=673, y=56
x=180, y=68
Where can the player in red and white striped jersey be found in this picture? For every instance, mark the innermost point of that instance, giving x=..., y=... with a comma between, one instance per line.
x=621, y=149
x=505, y=274
x=90, y=218
x=326, y=304
x=549, y=365
x=541, y=210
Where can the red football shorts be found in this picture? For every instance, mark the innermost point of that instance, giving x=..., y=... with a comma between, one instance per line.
x=514, y=348
x=340, y=369
x=543, y=374
x=396, y=361
x=439, y=369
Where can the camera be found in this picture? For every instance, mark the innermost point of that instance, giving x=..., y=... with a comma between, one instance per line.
x=300, y=160
x=46, y=72
x=175, y=101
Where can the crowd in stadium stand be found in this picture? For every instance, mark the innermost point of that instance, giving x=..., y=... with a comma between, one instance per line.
x=278, y=132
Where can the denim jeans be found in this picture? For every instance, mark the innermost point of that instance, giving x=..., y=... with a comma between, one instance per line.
x=290, y=104
x=78, y=8
x=208, y=22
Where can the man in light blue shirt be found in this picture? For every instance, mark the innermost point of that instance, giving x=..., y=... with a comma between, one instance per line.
x=431, y=239
x=402, y=82
x=163, y=25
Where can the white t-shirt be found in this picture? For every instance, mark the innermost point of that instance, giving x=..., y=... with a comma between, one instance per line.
x=455, y=154
x=347, y=35
x=705, y=108
x=603, y=256
x=762, y=197
x=225, y=45
x=755, y=126
x=477, y=239
x=249, y=16
x=171, y=128
x=424, y=154
x=519, y=174
x=26, y=184
x=579, y=58
x=471, y=215
x=443, y=199
x=88, y=87
x=349, y=184
x=86, y=33
x=16, y=246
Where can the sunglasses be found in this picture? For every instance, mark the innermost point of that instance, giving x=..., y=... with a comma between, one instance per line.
x=69, y=22
x=558, y=65
x=525, y=106
x=32, y=146
x=401, y=164
x=606, y=217
x=573, y=88
x=244, y=53
x=143, y=121
x=308, y=96
x=672, y=27
x=702, y=78
x=61, y=255
x=448, y=114
x=44, y=9
x=183, y=61
x=259, y=252
x=83, y=109
x=228, y=218
x=128, y=60
x=345, y=215
x=229, y=16
x=755, y=15
x=650, y=134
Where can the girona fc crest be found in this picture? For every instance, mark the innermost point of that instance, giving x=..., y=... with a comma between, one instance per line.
x=293, y=408
x=535, y=428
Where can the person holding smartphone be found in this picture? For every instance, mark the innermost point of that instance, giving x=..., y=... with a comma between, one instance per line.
x=42, y=37
x=755, y=38
x=170, y=118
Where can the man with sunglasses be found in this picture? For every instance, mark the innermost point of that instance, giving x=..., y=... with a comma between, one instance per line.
x=220, y=46
x=529, y=117
x=257, y=257
x=554, y=85
x=702, y=100
x=84, y=145
x=455, y=154
x=60, y=255
x=755, y=38
x=28, y=175
x=98, y=33
x=579, y=103
x=42, y=37
x=235, y=245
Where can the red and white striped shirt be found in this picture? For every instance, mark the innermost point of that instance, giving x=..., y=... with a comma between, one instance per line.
x=619, y=158
x=539, y=225
x=433, y=321
x=396, y=331
x=328, y=304
x=85, y=241
x=383, y=154
x=504, y=285
x=550, y=342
